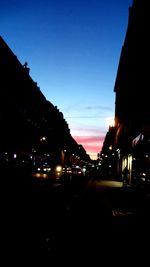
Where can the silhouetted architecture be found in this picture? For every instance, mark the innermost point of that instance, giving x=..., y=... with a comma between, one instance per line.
x=31, y=126
x=108, y=154
x=132, y=116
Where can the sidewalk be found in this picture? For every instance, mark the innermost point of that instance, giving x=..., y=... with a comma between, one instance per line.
x=110, y=220
x=133, y=200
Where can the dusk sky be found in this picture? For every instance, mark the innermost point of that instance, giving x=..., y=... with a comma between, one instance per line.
x=73, y=49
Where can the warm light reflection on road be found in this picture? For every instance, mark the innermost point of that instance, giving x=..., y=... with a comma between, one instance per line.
x=107, y=183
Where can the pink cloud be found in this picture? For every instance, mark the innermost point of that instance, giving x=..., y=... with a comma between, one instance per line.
x=93, y=131
x=89, y=139
x=92, y=144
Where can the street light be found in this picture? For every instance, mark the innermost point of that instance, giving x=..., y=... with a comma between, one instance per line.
x=42, y=138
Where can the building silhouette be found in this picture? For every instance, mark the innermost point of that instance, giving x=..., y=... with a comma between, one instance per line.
x=132, y=116
x=31, y=126
x=108, y=154
x=131, y=133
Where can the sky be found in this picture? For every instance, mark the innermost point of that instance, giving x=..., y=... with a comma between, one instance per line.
x=73, y=49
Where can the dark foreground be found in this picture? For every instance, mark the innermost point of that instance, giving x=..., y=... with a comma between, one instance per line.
x=82, y=221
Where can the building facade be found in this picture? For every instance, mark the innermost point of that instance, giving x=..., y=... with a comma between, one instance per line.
x=132, y=87
x=31, y=126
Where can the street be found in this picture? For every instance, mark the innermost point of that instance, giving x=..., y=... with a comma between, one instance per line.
x=49, y=222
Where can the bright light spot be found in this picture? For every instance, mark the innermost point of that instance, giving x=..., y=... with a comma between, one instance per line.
x=58, y=169
x=43, y=138
x=110, y=121
x=93, y=156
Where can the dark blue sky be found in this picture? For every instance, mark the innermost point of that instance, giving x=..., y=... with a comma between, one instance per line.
x=73, y=50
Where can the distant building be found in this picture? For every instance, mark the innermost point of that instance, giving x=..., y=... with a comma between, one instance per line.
x=108, y=154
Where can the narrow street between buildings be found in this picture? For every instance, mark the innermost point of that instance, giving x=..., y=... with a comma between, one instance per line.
x=53, y=222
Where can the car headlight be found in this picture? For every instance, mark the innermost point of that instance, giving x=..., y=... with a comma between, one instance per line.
x=58, y=168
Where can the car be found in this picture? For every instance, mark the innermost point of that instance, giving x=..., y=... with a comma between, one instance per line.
x=77, y=170
x=43, y=169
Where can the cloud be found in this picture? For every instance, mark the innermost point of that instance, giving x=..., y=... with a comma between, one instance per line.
x=92, y=144
x=98, y=108
x=89, y=139
x=89, y=131
x=86, y=117
x=74, y=110
x=88, y=126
